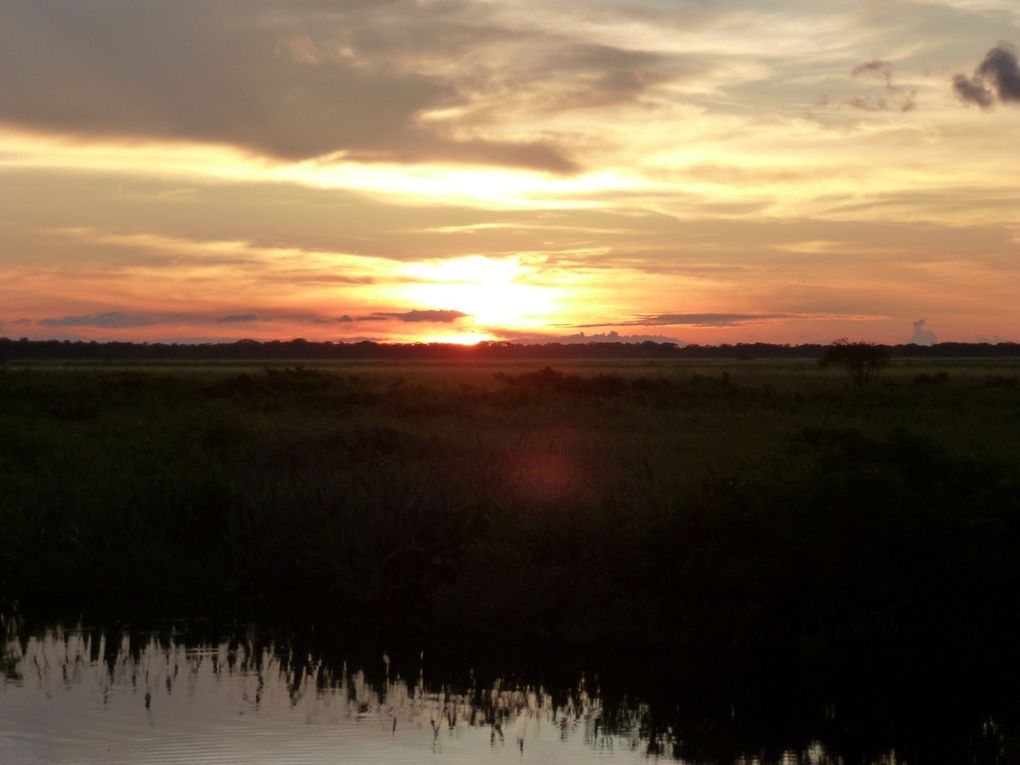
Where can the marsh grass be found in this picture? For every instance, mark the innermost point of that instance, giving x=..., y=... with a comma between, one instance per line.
x=742, y=513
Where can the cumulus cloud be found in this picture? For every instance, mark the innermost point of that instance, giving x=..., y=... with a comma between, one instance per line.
x=108, y=320
x=294, y=81
x=973, y=91
x=995, y=80
x=922, y=336
x=434, y=316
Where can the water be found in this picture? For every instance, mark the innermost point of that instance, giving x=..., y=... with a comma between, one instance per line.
x=74, y=695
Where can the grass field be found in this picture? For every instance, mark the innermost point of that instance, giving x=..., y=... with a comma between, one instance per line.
x=743, y=513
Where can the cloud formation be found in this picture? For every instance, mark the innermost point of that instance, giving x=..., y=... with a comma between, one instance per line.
x=922, y=336
x=883, y=70
x=237, y=317
x=696, y=320
x=588, y=75
x=122, y=319
x=996, y=79
x=879, y=68
x=433, y=316
x=108, y=320
x=294, y=81
x=580, y=338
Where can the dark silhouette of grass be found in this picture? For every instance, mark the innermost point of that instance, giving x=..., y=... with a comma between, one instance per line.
x=734, y=517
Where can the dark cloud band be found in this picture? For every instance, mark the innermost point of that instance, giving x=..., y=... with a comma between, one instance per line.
x=237, y=317
x=434, y=316
x=694, y=320
x=108, y=320
x=294, y=81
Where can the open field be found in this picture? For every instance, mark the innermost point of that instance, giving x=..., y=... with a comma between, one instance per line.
x=743, y=513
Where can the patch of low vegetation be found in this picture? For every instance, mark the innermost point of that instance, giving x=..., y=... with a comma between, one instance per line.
x=737, y=515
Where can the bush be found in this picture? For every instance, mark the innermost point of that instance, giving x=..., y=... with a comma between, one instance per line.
x=862, y=361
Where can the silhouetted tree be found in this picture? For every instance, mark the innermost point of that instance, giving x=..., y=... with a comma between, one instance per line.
x=861, y=360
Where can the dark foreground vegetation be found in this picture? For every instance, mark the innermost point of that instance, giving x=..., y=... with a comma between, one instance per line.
x=742, y=520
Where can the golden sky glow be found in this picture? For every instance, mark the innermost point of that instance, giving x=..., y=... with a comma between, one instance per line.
x=426, y=170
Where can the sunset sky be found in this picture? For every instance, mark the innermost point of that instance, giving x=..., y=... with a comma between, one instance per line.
x=404, y=170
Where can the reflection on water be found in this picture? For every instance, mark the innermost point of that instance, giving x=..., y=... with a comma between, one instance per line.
x=83, y=696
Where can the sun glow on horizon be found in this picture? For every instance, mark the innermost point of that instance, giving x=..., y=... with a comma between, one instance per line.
x=491, y=291
x=460, y=338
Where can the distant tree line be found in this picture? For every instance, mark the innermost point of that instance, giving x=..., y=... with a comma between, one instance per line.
x=299, y=349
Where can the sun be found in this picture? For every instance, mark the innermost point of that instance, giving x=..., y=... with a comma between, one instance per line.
x=494, y=292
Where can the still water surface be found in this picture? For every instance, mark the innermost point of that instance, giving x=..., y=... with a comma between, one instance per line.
x=113, y=696
x=70, y=697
